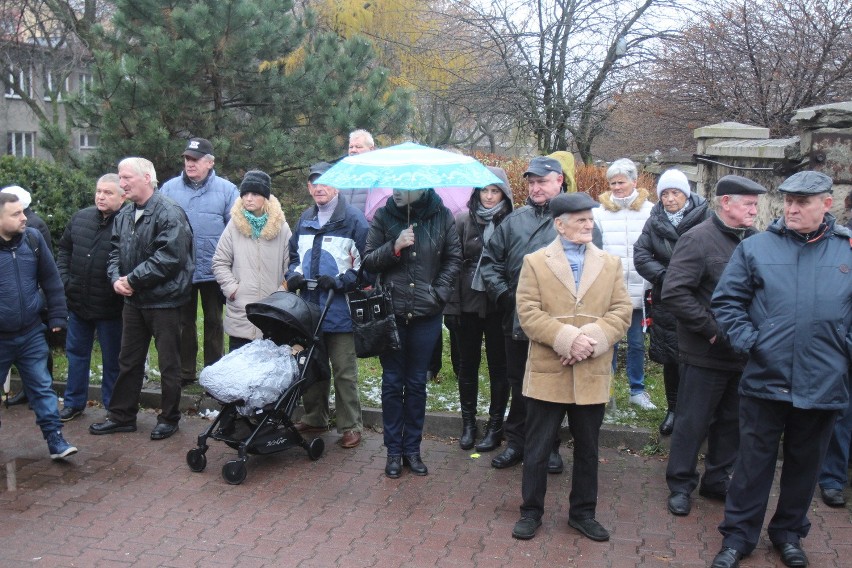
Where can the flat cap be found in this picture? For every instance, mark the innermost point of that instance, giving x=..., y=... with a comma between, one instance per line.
x=738, y=185
x=806, y=183
x=318, y=169
x=542, y=165
x=571, y=203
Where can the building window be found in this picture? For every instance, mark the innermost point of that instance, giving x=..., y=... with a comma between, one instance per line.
x=21, y=78
x=52, y=86
x=21, y=144
x=84, y=84
x=88, y=140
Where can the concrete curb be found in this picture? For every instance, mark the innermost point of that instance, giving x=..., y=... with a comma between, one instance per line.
x=440, y=424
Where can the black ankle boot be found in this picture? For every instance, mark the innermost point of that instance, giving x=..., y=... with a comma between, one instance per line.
x=469, y=429
x=493, y=435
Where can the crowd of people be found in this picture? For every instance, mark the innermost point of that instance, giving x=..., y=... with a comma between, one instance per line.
x=752, y=329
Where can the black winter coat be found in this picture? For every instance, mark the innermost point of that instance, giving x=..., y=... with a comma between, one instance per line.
x=424, y=274
x=787, y=303
x=651, y=255
x=156, y=253
x=699, y=259
x=82, y=261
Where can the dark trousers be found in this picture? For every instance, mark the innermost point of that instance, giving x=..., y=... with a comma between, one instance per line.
x=707, y=407
x=835, y=467
x=542, y=425
x=671, y=380
x=516, y=361
x=471, y=330
x=139, y=326
x=214, y=331
x=404, y=384
x=762, y=424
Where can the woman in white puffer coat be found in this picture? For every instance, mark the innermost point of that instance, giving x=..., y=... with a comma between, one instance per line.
x=621, y=217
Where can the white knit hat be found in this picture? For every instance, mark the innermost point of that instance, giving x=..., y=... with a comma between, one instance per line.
x=673, y=179
x=22, y=194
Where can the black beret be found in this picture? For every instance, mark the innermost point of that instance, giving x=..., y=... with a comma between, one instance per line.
x=806, y=183
x=571, y=203
x=738, y=185
x=257, y=182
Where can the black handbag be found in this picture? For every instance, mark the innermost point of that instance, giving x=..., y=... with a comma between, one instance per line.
x=373, y=322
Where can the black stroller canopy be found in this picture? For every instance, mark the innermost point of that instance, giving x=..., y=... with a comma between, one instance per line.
x=284, y=317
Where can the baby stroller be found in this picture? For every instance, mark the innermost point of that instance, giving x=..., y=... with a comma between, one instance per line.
x=284, y=318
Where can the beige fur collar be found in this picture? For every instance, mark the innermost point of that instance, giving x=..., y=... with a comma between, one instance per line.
x=273, y=224
x=605, y=199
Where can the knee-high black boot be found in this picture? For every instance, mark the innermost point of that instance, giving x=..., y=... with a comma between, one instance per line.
x=467, y=397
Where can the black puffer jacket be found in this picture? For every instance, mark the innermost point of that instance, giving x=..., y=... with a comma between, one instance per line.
x=156, y=253
x=82, y=262
x=652, y=252
x=423, y=275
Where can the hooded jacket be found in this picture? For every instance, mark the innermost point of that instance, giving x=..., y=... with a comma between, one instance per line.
x=787, y=303
x=651, y=255
x=155, y=253
x=209, y=210
x=250, y=269
x=82, y=261
x=335, y=249
x=22, y=273
x=621, y=229
x=423, y=276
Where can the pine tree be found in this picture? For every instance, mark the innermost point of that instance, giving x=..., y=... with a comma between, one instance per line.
x=250, y=75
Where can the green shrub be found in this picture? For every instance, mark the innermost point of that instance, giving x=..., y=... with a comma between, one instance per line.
x=58, y=192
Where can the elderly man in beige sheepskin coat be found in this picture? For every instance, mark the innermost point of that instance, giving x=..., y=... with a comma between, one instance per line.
x=574, y=306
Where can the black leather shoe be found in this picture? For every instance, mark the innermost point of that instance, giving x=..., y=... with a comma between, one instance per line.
x=110, y=427
x=792, y=554
x=667, y=425
x=67, y=414
x=833, y=497
x=162, y=431
x=554, y=463
x=727, y=558
x=590, y=528
x=679, y=504
x=393, y=468
x=415, y=464
x=525, y=528
x=714, y=494
x=20, y=398
x=507, y=458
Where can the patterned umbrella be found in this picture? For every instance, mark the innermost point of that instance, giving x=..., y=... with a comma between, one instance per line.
x=408, y=166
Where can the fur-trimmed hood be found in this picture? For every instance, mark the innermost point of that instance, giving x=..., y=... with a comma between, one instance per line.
x=605, y=199
x=273, y=224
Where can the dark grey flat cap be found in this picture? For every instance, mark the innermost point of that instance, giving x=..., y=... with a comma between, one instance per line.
x=317, y=170
x=738, y=185
x=571, y=203
x=806, y=183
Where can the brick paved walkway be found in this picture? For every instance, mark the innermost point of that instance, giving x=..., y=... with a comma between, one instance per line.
x=127, y=501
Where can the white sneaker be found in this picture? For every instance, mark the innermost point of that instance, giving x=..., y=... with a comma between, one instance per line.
x=643, y=401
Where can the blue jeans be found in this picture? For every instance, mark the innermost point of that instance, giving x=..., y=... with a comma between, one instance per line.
x=29, y=354
x=404, y=384
x=836, y=463
x=635, y=354
x=78, y=346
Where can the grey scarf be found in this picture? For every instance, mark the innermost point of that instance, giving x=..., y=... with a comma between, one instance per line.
x=478, y=283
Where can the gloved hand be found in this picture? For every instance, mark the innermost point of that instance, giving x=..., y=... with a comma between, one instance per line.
x=296, y=282
x=326, y=282
x=506, y=301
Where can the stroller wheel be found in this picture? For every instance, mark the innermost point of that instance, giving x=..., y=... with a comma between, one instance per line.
x=315, y=448
x=196, y=460
x=234, y=472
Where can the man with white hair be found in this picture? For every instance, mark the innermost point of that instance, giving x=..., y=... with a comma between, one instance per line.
x=360, y=141
x=151, y=263
x=207, y=200
x=93, y=305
